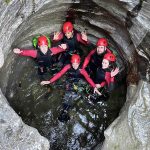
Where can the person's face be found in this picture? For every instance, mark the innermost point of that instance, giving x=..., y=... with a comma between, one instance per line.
x=75, y=66
x=100, y=49
x=69, y=34
x=44, y=48
x=105, y=64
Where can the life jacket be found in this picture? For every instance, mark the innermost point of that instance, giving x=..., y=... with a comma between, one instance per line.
x=96, y=59
x=44, y=60
x=72, y=43
x=74, y=73
x=104, y=75
x=100, y=75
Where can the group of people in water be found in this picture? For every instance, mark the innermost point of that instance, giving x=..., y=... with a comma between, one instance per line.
x=99, y=66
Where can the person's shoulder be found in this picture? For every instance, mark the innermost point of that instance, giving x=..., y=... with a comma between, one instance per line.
x=109, y=51
x=67, y=66
x=93, y=51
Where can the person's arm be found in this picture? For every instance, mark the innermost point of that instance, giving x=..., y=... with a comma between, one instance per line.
x=90, y=81
x=102, y=84
x=82, y=38
x=114, y=72
x=87, y=77
x=87, y=59
x=60, y=73
x=108, y=79
x=56, y=50
x=31, y=53
x=108, y=50
x=57, y=36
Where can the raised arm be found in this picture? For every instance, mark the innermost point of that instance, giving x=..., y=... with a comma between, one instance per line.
x=57, y=36
x=82, y=38
x=59, y=49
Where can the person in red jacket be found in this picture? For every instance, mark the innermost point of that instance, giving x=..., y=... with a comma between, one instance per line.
x=71, y=39
x=74, y=71
x=104, y=74
x=43, y=56
x=104, y=80
x=95, y=57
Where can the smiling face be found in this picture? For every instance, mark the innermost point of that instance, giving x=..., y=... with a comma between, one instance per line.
x=44, y=49
x=75, y=65
x=69, y=34
x=105, y=64
x=101, y=49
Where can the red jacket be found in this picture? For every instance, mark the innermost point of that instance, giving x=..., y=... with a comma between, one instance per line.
x=67, y=68
x=79, y=38
x=33, y=53
x=108, y=80
x=88, y=58
x=103, y=77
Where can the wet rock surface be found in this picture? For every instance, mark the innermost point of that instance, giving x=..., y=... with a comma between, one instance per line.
x=131, y=130
x=15, y=134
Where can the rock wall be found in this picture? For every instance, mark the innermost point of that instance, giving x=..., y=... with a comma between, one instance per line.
x=15, y=135
x=131, y=129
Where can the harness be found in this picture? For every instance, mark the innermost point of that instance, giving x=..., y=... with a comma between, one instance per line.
x=96, y=59
x=73, y=44
x=44, y=60
x=74, y=73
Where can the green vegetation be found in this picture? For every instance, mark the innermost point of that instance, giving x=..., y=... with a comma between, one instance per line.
x=7, y=1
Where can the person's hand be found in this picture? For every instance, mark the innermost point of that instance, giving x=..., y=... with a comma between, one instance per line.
x=98, y=86
x=63, y=46
x=114, y=72
x=17, y=51
x=96, y=91
x=84, y=35
x=56, y=35
x=45, y=82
